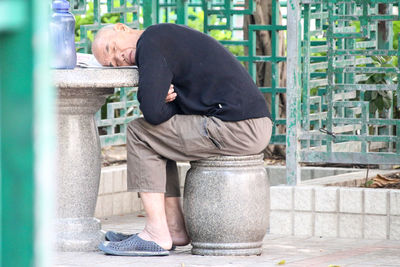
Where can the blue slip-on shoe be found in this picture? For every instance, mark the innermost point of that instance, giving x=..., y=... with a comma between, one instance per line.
x=116, y=237
x=133, y=246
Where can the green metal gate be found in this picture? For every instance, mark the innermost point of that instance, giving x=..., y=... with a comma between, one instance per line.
x=343, y=90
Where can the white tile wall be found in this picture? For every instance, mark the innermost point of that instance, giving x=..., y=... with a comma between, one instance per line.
x=108, y=182
x=281, y=197
x=351, y=200
x=118, y=184
x=395, y=202
x=117, y=204
x=114, y=199
x=326, y=225
x=281, y=222
x=303, y=224
x=375, y=227
x=394, y=227
x=303, y=199
x=350, y=226
x=335, y=212
x=326, y=199
x=107, y=205
x=375, y=201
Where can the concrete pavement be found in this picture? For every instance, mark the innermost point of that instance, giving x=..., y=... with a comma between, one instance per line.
x=277, y=251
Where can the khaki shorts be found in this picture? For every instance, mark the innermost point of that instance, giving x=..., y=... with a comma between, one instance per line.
x=154, y=149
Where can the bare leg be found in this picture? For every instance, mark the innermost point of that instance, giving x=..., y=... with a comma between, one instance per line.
x=156, y=228
x=176, y=223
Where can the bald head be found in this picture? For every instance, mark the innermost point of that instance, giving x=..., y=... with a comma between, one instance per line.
x=102, y=32
x=115, y=45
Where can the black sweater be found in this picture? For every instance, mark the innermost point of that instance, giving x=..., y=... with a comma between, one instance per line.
x=207, y=78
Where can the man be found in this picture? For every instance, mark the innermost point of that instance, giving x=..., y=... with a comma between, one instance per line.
x=197, y=101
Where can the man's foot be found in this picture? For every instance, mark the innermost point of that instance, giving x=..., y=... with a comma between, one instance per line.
x=133, y=246
x=162, y=238
x=178, y=235
x=175, y=221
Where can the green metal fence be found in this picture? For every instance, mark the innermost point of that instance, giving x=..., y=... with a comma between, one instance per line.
x=221, y=19
x=343, y=85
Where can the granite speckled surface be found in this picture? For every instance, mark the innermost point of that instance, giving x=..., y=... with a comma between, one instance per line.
x=81, y=93
x=226, y=205
x=95, y=78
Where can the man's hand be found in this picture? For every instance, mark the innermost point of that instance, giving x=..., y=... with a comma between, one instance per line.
x=171, y=94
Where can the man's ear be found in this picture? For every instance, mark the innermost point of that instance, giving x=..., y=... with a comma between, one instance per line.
x=121, y=27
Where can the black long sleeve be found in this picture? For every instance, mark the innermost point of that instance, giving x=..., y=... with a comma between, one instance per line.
x=155, y=79
x=207, y=78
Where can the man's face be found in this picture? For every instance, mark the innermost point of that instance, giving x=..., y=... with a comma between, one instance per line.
x=116, y=48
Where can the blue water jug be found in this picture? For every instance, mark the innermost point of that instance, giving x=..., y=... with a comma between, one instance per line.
x=62, y=36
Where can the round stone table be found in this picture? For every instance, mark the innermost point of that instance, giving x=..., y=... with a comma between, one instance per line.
x=81, y=93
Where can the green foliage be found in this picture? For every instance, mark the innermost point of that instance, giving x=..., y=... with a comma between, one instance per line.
x=196, y=21
x=396, y=31
x=380, y=100
x=369, y=183
x=88, y=18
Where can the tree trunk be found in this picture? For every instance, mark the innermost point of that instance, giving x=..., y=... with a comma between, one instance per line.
x=263, y=16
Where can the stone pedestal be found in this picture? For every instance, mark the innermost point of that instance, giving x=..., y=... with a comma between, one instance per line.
x=81, y=93
x=226, y=205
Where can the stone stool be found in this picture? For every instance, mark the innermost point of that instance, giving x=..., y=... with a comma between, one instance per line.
x=226, y=205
